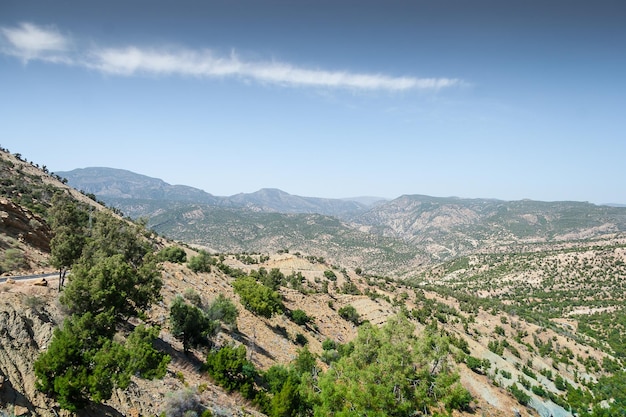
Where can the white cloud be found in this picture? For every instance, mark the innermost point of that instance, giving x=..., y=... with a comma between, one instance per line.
x=31, y=42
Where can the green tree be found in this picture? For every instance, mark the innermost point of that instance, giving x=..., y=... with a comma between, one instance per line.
x=201, y=262
x=68, y=221
x=224, y=310
x=83, y=364
x=390, y=372
x=97, y=285
x=116, y=270
x=349, y=313
x=231, y=370
x=300, y=317
x=189, y=324
x=174, y=254
x=257, y=297
x=114, y=278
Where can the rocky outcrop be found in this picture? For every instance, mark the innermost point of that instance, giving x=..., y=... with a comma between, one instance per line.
x=25, y=330
x=24, y=225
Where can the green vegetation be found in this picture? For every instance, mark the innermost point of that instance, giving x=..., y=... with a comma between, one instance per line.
x=196, y=327
x=350, y=314
x=300, y=317
x=114, y=277
x=520, y=395
x=257, y=297
x=174, y=254
x=189, y=324
x=201, y=262
x=230, y=369
x=376, y=379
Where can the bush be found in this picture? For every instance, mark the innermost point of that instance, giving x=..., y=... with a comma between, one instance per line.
x=301, y=339
x=349, y=313
x=519, y=395
x=257, y=297
x=182, y=402
x=329, y=344
x=477, y=365
x=231, y=370
x=300, y=317
x=330, y=275
x=201, y=262
x=173, y=254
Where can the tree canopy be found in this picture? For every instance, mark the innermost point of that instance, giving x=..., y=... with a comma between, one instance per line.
x=114, y=277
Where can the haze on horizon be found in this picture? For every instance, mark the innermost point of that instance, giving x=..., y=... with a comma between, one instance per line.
x=325, y=99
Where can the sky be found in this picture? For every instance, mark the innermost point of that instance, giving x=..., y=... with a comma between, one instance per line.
x=476, y=99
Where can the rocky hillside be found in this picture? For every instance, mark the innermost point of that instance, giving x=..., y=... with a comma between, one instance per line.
x=431, y=229
x=451, y=227
x=533, y=331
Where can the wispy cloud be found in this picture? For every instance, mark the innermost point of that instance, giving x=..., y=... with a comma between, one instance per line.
x=31, y=42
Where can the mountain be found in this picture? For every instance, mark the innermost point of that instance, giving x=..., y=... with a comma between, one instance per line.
x=129, y=192
x=230, y=230
x=430, y=229
x=450, y=227
x=532, y=324
x=119, y=184
x=274, y=200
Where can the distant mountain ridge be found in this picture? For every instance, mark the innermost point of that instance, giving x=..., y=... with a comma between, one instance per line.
x=410, y=230
x=112, y=183
x=114, y=186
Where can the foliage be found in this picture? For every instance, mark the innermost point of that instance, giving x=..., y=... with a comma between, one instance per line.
x=201, y=262
x=116, y=271
x=301, y=339
x=83, y=364
x=300, y=317
x=180, y=403
x=113, y=278
x=68, y=221
x=174, y=254
x=193, y=297
x=330, y=275
x=223, y=310
x=258, y=298
x=349, y=313
x=519, y=394
x=390, y=373
x=480, y=366
x=189, y=324
x=230, y=369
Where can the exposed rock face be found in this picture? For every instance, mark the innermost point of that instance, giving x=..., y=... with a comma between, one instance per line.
x=24, y=225
x=24, y=332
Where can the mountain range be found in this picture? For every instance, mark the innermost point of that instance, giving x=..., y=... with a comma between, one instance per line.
x=403, y=234
x=528, y=296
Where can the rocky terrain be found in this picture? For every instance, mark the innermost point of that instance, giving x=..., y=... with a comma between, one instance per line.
x=542, y=313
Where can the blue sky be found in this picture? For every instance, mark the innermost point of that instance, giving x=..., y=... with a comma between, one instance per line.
x=493, y=99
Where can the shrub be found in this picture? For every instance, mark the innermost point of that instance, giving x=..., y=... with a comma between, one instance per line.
x=180, y=403
x=201, y=262
x=329, y=344
x=173, y=254
x=477, y=365
x=301, y=339
x=193, y=297
x=349, y=313
x=231, y=370
x=300, y=317
x=330, y=275
x=519, y=395
x=257, y=297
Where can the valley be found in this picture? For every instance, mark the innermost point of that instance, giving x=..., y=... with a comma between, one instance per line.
x=527, y=297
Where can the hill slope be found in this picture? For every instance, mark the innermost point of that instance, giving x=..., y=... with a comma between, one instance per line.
x=542, y=319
